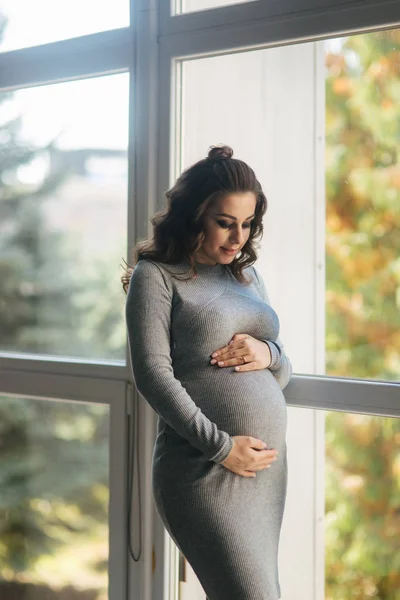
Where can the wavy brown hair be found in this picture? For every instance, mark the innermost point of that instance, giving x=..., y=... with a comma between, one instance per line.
x=178, y=229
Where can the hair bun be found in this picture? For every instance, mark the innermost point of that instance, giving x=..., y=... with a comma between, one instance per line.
x=220, y=152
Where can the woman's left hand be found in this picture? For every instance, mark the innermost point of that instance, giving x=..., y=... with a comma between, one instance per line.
x=243, y=352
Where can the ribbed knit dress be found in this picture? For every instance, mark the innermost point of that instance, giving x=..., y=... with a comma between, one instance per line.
x=226, y=525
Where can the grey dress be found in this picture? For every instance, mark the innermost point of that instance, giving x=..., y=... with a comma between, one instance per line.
x=227, y=526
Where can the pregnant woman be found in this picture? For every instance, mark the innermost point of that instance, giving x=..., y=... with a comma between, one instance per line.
x=206, y=355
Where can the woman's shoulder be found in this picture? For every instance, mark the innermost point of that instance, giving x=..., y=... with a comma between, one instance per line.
x=148, y=263
x=149, y=275
x=254, y=273
x=254, y=279
x=251, y=274
x=148, y=267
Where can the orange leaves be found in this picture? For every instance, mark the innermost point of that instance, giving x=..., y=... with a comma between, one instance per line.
x=343, y=86
x=354, y=312
x=363, y=266
x=380, y=68
x=333, y=222
x=387, y=104
x=393, y=173
x=335, y=63
x=385, y=67
x=362, y=428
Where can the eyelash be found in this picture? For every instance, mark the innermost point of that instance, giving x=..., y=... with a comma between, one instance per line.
x=226, y=225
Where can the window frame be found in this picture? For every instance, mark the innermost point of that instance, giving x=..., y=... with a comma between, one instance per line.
x=291, y=19
x=150, y=49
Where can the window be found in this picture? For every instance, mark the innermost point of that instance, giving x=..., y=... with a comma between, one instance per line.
x=63, y=218
x=65, y=392
x=317, y=122
x=55, y=497
x=26, y=23
x=361, y=504
x=343, y=121
x=95, y=128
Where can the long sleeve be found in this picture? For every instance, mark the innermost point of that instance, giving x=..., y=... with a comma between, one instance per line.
x=280, y=366
x=148, y=318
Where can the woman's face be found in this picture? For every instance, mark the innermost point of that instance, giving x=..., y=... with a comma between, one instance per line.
x=226, y=227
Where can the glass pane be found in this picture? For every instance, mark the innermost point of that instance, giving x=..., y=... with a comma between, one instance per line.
x=362, y=507
x=342, y=135
x=184, y=6
x=363, y=205
x=54, y=479
x=63, y=205
x=24, y=23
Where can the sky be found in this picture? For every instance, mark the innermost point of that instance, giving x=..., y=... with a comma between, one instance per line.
x=34, y=22
x=86, y=113
x=89, y=113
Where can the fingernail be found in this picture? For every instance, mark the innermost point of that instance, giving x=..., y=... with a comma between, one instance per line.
x=221, y=362
x=213, y=361
x=214, y=354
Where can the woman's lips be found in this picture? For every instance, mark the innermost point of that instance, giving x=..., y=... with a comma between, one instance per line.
x=230, y=251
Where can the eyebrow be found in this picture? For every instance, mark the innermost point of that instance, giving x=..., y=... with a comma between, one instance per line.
x=231, y=217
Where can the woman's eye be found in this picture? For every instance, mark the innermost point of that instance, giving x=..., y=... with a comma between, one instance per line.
x=226, y=225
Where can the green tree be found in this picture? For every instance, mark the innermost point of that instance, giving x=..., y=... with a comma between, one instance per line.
x=54, y=455
x=53, y=300
x=54, y=482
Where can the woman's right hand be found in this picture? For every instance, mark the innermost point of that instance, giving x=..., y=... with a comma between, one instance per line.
x=248, y=455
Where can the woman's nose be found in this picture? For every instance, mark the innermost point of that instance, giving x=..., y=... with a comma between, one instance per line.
x=237, y=237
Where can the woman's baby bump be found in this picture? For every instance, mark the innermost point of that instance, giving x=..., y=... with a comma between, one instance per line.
x=247, y=403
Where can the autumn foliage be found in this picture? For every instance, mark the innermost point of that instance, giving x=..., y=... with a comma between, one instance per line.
x=362, y=536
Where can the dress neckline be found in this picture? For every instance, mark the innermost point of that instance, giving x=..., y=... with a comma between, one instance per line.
x=203, y=267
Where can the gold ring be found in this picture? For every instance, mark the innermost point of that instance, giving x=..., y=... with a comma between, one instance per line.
x=243, y=360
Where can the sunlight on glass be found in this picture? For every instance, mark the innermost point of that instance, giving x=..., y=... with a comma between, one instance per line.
x=63, y=218
x=184, y=6
x=26, y=23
